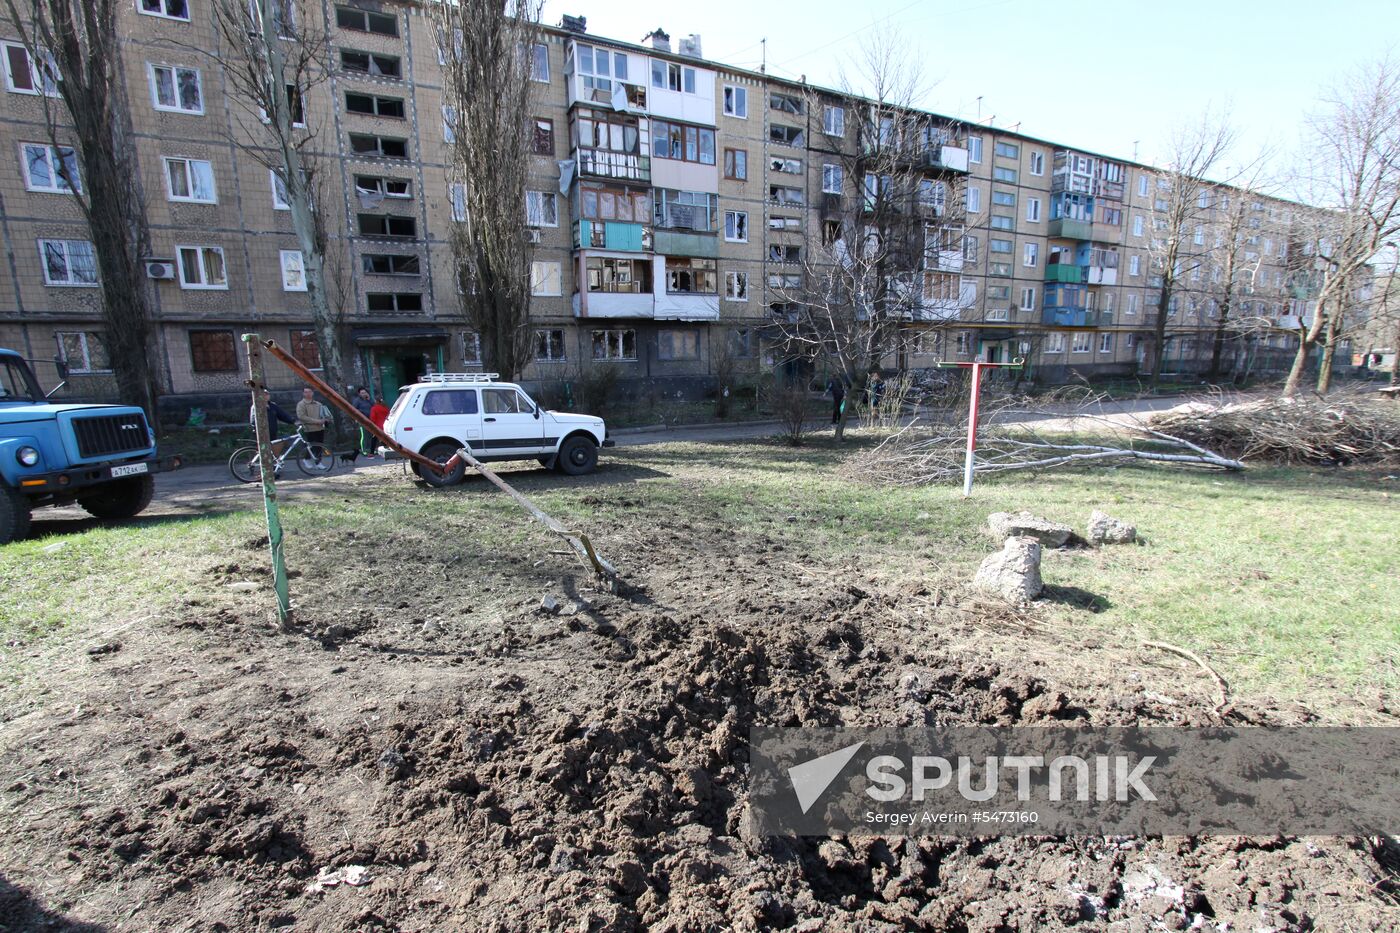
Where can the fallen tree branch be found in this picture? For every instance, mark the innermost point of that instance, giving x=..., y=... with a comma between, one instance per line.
x=1189, y=655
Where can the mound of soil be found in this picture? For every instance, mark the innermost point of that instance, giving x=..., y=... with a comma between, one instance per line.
x=495, y=764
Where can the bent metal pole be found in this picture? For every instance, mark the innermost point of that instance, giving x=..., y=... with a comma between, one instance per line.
x=973, y=407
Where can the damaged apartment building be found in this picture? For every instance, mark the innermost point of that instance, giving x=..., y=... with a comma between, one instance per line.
x=675, y=206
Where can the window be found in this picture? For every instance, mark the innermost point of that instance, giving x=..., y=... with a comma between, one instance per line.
x=549, y=346
x=683, y=143
x=457, y=197
x=387, y=225
x=1004, y=198
x=786, y=103
x=1037, y=163
x=736, y=226
x=1112, y=216
x=213, y=351
x=974, y=149
x=691, y=276
x=374, y=106
x=786, y=135
x=1002, y=222
x=1199, y=236
x=964, y=342
x=189, y=180
x=169, y=9
x=933, y=194
x=1105, y=343
x=546, y=279
x=628, y=276
x=999, y=292
x=389, y=147
x=779, y=194
x=1137, y=225
x=1004, y=174
x=202, y=267
x=371, y=63
x=1027, y=299
x=454, y=401
x=294, y=107
x=974, y=200
x=833, y=179
x=542, y=137
x=613, y=345
x=176, y=89
x=280, y=201
x=736, y=101
x=1030, y=257
x=25, y=76
x=741, y=341
x=1033, y=210
x=736, y=286
x=834, y=121
x=394, y=301
x=941, y=286
x=670, y=76
x=383, y=24
x=1007, y=151
x=1142, y=186
x=736, y=164
x=998, y=314
x=471, y=347
x=305, y=349
x=1135, y=265
x=449, y=124
x=778, y=252
x=678, y=345
x=1081, y=343
x=83, y=352
x=970, y=248
x=293, y=271
x=50, y=169
x=786, y=166
x=1055, y=343
x=539, y=63
x=1129, y=341
x=1000, y=246
x=541, y=209
x=68, y=262
x=389, y=264
x=1002, y=269
x=686, y=210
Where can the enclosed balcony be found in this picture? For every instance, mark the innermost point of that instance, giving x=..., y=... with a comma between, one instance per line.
x=604, y=163
x=1063, y=272
x=612, y=235
x=1071, y=229
x=953, y=158
x=1066, y=306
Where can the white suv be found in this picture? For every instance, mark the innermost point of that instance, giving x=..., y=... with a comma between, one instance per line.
x=495, y=421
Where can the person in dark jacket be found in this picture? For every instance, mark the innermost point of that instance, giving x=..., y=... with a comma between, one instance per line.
x=365, y=406
x=275, y=414
x=837, y=387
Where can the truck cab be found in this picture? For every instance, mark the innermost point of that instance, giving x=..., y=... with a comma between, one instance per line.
x=494, y=420
x=102, y=457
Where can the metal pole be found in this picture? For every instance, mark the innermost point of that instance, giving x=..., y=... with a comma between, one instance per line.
x=972, y=429
x=265, y=467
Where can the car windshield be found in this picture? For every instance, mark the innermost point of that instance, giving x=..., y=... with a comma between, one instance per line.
x=16, y=382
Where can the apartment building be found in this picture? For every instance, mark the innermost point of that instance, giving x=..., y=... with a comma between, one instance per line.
x=674, y=206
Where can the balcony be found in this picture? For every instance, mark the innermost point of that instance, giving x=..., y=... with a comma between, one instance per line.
x=1101, y=275
x=683, y=307
x=633, y=97
x=1067, y=317
x=604, y=163
x=1063, y=272
x=684, y=243
x=612, y=235
x=1069, y=229
x=614, y=304
x=952, y=158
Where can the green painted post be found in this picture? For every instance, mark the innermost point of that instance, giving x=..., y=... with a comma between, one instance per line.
x=266, y=469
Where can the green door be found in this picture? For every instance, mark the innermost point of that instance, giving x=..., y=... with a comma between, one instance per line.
x=390, y=377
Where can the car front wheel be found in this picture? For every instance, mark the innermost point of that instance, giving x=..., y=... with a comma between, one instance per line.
x=121, y=498
x=14, y=515
x=441, y=452
x=578, y=456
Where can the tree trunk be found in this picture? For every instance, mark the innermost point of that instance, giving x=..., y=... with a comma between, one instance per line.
x=1395, y=356
x=1159, y=330
x=1329, y=350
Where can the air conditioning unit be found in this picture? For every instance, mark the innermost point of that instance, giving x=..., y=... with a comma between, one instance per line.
x=532, y=236
x=160, y=268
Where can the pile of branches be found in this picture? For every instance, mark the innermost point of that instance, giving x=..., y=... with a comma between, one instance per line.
x=1079, y=429
x=1356, y=426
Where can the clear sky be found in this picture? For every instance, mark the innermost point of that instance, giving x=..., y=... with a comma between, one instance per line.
x=1104, y=75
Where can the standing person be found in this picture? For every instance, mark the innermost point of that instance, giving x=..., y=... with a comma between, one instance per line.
x=365, y=406
x=875, y=389
x=379, y=413
x=276, y=414
x=837, y=387
x=311, y=414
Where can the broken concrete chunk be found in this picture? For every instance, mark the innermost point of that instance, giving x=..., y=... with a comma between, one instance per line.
x=1025, y=525
x=1013, y=574
x=549, y=605
x=1105, y=529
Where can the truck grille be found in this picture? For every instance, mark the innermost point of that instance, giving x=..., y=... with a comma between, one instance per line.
x=105, y=435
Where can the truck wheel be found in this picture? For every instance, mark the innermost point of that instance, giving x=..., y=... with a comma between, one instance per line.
x=578, y=456
x=14, y=515
x=120, y=499
x=441, y=451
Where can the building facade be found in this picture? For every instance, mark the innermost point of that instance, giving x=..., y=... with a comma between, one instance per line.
x=675, y=206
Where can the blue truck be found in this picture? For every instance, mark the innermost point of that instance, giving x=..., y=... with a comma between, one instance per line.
x=102, y=457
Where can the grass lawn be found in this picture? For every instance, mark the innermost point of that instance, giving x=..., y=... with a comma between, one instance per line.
x=1283, y=578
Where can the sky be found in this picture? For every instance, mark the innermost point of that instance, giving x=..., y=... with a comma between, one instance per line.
x=1111, y=76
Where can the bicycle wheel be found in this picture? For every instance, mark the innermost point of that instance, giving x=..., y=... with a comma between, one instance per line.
x=245, y=465
x=316, y=460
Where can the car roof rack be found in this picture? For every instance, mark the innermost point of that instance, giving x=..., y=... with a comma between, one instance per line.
x=461, y=377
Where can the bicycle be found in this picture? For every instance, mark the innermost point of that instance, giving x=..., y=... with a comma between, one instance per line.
x=314, y=460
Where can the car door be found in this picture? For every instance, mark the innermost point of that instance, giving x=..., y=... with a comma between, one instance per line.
x=452, y=413
x=510, y=426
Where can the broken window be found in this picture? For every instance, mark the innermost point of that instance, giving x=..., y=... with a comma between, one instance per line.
x=686, y=210
x=786, y=135
x=834, y=121
x=736, y=286
x=370, y=63
x=683, y=143
x=736, y=101
x=614, y=345
x=608, y=274
x=786, y=166
x=786, y=103
x=736, y=226
x=691, y=276
x=782, y=253
x=390, y=264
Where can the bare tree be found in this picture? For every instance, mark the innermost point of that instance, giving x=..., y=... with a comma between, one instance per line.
x=1354, y=172
x=1179, y=207
x=76, y=61
x=890, y=249
x=1232, y=270
x=276, y=54
x=489, y=52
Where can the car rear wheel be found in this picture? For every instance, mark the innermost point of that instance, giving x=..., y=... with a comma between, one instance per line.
x=120, y=499
x=578, y=456
x=14, y=515
x=441, y=452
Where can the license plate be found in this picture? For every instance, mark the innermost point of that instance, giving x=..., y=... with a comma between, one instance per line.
x=130, y=469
